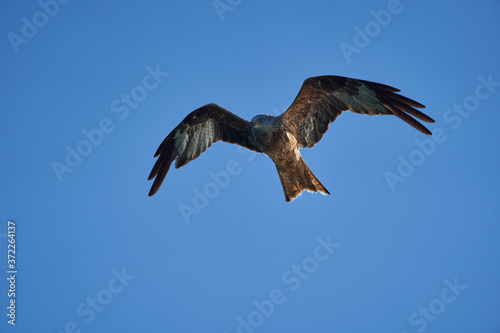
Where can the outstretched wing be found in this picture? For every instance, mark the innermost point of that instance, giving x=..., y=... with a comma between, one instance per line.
x=321, y=99
x=198, y=131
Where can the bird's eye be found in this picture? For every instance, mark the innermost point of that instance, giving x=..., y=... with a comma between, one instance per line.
x=261, y=119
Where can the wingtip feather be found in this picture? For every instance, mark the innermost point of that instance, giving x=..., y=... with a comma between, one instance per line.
x=408, y=119
x=161, y=167
x=406, y=107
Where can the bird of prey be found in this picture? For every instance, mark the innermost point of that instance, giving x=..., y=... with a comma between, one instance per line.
x=318, y=103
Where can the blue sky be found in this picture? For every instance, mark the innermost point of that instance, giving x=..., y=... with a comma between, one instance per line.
x=407, y=242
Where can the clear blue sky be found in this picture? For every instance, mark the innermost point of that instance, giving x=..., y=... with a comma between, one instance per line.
x=407, y=242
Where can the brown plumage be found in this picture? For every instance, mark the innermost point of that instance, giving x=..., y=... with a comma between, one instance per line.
x=318, y=103
x=296, y=178
x=198, y=131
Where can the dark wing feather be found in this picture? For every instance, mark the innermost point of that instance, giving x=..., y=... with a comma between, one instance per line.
x=198, y=131
x=321, y=99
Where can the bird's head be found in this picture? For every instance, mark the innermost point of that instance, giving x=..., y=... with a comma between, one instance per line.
x=262, y=120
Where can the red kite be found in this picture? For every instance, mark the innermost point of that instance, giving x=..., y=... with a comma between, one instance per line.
x=320, y=100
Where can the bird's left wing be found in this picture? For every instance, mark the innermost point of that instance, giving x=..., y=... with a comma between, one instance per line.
x=321, y=99
x=198, y=131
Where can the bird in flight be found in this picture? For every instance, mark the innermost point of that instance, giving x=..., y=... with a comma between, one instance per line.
x=318, y=103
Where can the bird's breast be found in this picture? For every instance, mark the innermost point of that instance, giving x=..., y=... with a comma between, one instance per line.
x=278, y=145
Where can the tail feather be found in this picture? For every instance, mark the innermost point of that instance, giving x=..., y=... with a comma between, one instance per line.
x=298, y=179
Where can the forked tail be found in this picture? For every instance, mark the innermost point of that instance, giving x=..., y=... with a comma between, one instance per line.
x=298, y=179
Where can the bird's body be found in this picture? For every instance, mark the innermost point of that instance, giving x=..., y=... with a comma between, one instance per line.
x=318, y=103
x=276, y=141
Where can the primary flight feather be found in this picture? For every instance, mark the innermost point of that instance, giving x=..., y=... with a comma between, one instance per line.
x=318, y=103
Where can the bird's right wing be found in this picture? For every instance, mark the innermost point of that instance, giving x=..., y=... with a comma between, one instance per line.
x=198, y=131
